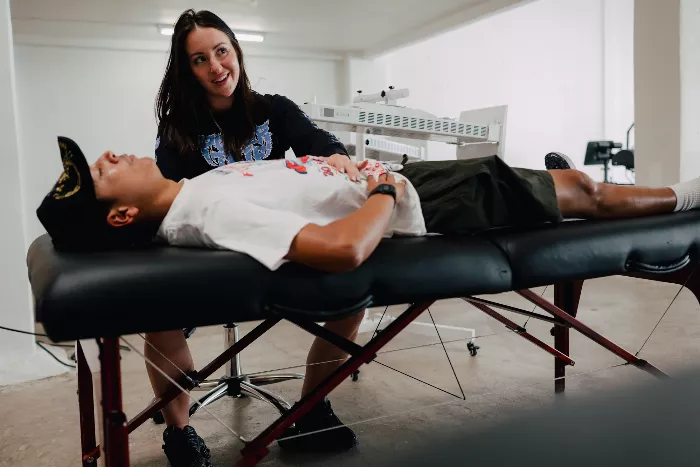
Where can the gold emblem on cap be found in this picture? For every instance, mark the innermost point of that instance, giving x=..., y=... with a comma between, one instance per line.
x=68, y=183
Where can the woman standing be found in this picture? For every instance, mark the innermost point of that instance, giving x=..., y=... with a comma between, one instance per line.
x=208, y=117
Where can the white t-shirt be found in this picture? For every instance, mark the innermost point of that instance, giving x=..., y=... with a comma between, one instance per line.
x=259, y=207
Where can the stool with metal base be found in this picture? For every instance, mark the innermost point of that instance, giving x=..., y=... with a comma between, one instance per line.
x=237, y=384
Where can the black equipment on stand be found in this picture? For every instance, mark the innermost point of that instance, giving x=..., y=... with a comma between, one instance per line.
x=601, y=153
x=625, y=157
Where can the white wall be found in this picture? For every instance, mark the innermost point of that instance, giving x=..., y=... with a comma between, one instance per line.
x=690, y=89
x=104, y=99
x=618, y=76
x=657, y=92
x=563, y=67
x=299, y=79
x=368, y=76
x=542, y=59
x=667, y=80
x=20, y=358
x=618, y=49
x=14, y=294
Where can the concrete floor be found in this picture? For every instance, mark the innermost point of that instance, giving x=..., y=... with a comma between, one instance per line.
x=389, y=411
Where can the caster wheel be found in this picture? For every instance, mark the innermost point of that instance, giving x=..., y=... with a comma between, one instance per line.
x=553, y=331
x=158, y=418
x=355, y=375
x=473, y=349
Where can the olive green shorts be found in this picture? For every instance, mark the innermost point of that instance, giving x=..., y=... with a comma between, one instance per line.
x=467, y=196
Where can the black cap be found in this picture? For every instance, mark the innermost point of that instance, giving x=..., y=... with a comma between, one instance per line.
x=70, y=212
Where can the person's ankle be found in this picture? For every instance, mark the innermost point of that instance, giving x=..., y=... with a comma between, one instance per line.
x=687, y=195
x=178, y=426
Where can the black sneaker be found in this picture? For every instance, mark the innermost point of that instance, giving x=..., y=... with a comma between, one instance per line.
x=320, y=417
x=558, y=161
x=184, y=448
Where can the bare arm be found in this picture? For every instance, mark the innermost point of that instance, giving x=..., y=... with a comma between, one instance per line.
x=345, y=244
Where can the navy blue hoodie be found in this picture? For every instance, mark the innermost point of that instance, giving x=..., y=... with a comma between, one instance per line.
x=280, y=125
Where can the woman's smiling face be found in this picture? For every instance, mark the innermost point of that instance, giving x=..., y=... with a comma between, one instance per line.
x=214, y=63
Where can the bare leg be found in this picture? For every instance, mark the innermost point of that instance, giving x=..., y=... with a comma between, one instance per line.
x=322, y=351
x=580, y=197
x=173, y=345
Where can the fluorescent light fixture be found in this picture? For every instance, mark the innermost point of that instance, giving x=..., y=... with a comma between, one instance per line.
x=241, y=36
x=249, y=37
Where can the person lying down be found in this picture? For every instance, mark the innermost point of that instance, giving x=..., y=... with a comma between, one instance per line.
x=305, y=211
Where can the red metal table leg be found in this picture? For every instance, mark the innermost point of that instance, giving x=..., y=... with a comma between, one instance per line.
x=566, y=297
x=86, y=404
x=596, y=337
x=520, y=331
x=116, y=435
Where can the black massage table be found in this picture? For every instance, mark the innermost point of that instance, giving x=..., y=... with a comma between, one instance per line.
x=104, y=296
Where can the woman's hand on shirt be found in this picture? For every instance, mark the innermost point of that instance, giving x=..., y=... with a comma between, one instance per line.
x=344, y=165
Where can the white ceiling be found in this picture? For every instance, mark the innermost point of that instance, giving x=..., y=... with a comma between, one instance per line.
x=365, y=27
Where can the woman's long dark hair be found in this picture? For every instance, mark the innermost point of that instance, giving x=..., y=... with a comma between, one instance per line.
x=182, y=106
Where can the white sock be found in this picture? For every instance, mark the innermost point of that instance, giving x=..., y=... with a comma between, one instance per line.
x=688, y=195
